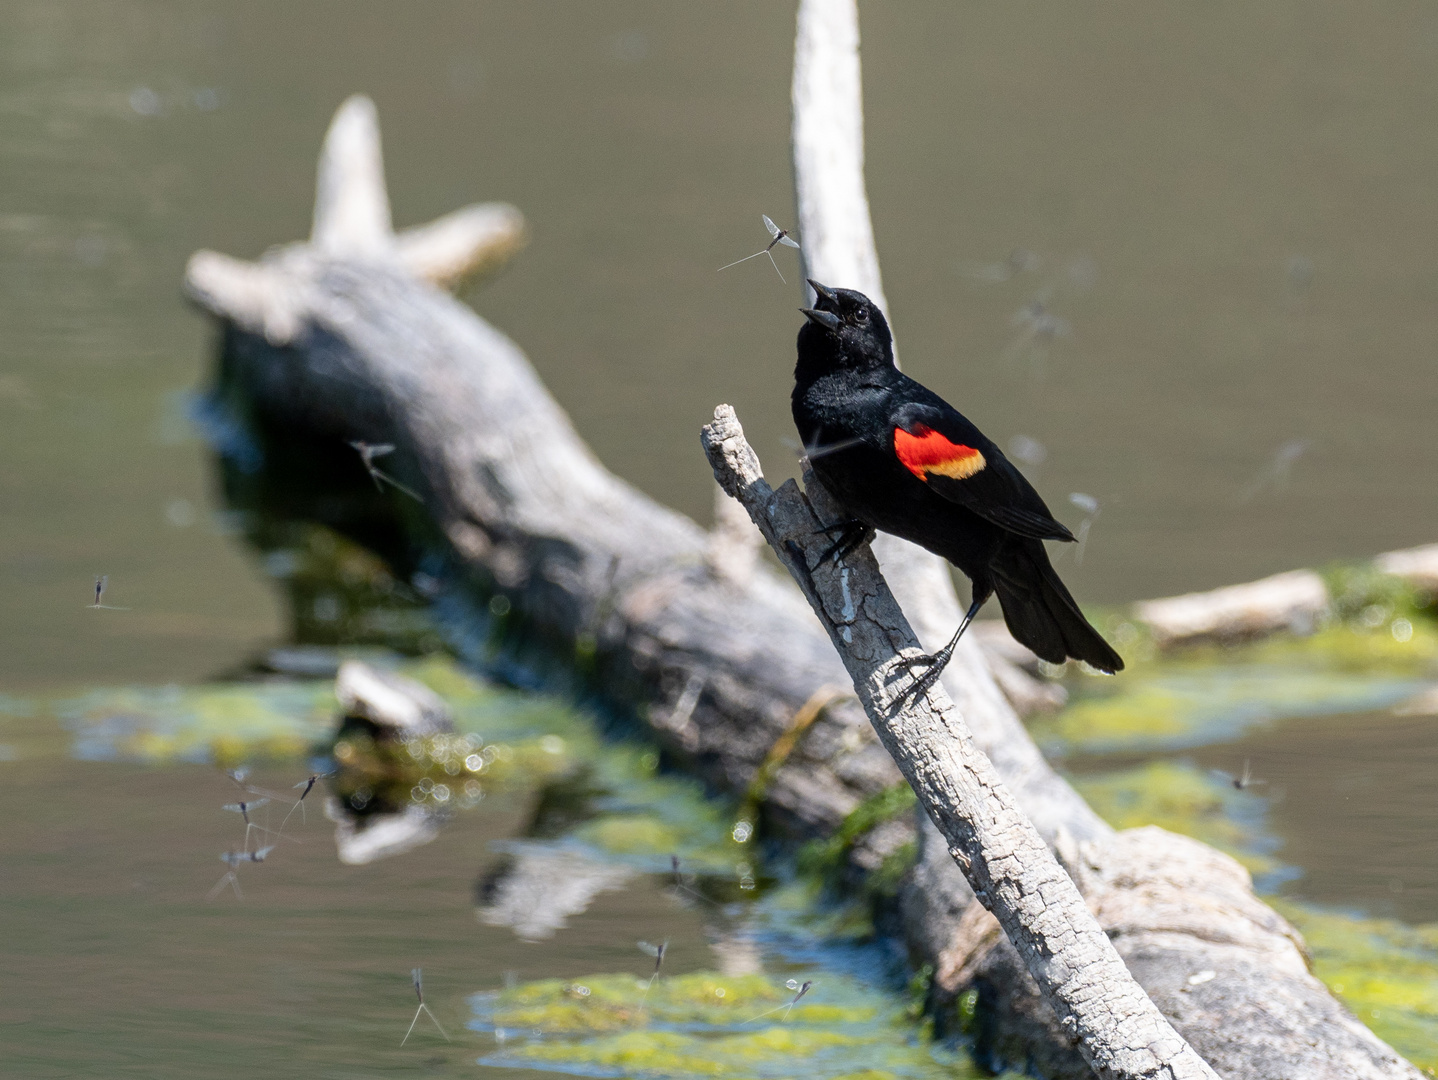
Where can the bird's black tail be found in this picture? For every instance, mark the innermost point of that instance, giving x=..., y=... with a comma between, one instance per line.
x=1040, y=612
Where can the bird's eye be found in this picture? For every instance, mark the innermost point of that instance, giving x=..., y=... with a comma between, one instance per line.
x=861, y=316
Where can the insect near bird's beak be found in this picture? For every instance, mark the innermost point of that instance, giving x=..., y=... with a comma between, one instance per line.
x=827, y=319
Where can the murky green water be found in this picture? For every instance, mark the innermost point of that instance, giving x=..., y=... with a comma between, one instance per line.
x=1184, y=250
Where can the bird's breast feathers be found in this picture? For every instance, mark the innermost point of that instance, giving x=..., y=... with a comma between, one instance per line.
x=925, y=452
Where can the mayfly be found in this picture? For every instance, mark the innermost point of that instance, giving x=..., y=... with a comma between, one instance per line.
x=240, y=778
x=818, y=450
x=799, y=991
x=1244, y=780
x=368, y=452
x=300, y=802
x=417, y=974
x=100, y=583
x=243, y=809
x=777, y=236
x=1090, y=506
x=233, y=860
x=656, y=951
x=1278, y=469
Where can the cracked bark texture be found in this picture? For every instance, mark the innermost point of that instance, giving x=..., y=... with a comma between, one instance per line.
x=335, y=340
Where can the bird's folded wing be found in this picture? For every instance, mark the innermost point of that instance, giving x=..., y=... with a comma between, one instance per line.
x=960, y=464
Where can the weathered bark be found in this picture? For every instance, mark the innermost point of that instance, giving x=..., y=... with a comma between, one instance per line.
x=710, y=649
x=1114, y=1025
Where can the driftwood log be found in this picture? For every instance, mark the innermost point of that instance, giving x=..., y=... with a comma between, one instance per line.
x=345, y=338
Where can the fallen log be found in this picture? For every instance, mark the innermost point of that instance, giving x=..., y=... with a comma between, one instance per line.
x=1297, y=601
x=545, y=567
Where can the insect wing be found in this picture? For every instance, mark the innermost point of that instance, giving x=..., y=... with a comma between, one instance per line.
x=259, y=855
x=789, y=241
x=792, y=984
x=774, y=230
x=648, y=949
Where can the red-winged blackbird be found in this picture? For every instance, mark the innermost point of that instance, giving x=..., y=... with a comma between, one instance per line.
x=901, y=459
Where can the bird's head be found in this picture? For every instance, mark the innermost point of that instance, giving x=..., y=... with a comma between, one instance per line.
x=844, y=328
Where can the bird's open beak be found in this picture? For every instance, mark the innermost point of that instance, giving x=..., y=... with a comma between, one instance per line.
x=827, y=319
x=823, y=292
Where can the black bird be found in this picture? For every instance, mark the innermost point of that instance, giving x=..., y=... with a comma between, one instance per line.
x=901, y=459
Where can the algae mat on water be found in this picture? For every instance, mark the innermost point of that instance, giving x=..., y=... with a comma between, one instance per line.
x=1213, y=694
x=1385, y=971
x=705, y=1024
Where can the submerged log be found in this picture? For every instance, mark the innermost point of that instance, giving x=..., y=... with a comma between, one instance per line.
x=523, y=531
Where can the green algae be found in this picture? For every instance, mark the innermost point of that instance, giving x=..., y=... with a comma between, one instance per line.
x=1190, y=702
x=1180, y=798
x=1385, y=971
x=220, y=723
x=1381, y=641
x=631, y=834
x=1362, y=593
x=503, y=739
x=707, y=1024
x=827, y=856
x=286, y=719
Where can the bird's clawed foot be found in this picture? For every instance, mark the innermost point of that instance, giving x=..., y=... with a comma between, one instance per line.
x=852, y=534
x=936, y=663
x=939, y=660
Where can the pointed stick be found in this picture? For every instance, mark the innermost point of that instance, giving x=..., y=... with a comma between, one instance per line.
x=351, y=203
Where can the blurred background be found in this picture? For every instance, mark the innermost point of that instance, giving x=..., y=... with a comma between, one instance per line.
x=1179, y=260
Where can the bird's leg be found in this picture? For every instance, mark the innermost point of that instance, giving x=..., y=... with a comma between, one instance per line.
x=853, y=533
x=940, y=660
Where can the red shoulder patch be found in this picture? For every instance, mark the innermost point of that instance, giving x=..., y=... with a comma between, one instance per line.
x=925, y=451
